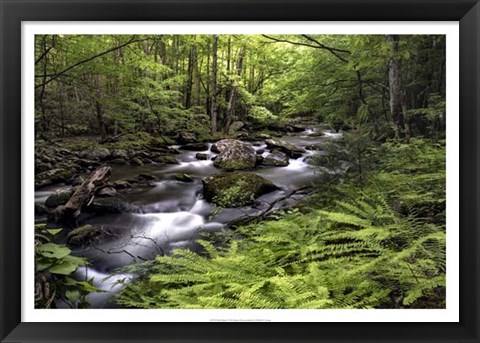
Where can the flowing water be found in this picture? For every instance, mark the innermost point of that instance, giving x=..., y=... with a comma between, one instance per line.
x=173, y=213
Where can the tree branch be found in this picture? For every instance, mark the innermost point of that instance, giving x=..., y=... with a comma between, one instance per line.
x=132, y=40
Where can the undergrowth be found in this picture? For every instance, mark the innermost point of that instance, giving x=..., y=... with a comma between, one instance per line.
x=380, y=244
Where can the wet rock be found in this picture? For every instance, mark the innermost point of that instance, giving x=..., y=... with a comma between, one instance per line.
x=120, y=161
x=276, y=159
x=165, y=160
x=185, y=137
x=119, y=153
x=235, y=189
x=59, y=197
x=260, y=151
x=289, y=149
x=183, y=177
x=99, y=154
x=234, y=155
x=236, y=125
x=201, y=156
x=107, y=192
x=51, y=177
x=41, y=210
x=83, y=236
x=316, y=134
x=121, y=184
x=146, y=176
x=87, y=163
x=111, y=205
x=195, y=147
x=136, y=161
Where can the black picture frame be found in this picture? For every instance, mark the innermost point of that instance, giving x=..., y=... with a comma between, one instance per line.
x=13, y=12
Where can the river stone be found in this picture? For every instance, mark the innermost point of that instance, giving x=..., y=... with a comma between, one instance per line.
x=185, y=137
x=289, y=149
x=99, y=154
x=51, y=177
x=107, y=192
x=111, y=205
x=120, y=184
x=119, y=153
x=59, y=197
x=183, y=177
x=82, y=236
x=236, y=125
x=136, y=161
x=146, y=176
x=195, y=147
x=276, y=159
x=234, y=155
x=235, y=189
x=201, y=156
x=165, y=160
x=316, y=134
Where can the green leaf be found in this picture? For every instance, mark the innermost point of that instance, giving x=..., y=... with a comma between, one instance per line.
x=63, y=268
x=72, y=294
x=43, y=264
x=53, y=232
x=52, y=250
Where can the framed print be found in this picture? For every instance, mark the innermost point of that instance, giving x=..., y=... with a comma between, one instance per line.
x=246, y=171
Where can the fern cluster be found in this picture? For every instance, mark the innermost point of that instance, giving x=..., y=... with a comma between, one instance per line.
x=381, y=246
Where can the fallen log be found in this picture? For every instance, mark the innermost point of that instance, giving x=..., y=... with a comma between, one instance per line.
x=99, y=178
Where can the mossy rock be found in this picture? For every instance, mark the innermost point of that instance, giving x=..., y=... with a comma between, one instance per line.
x=234, y=155
x=82, y=236
x=120, y=184
x=183, y=177
x=51, y=177
x=276, y=159
x=59, y=197
x=235, y=189
x=136, y=161
x=165, y=160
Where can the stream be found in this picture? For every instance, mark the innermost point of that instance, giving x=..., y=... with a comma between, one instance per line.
x=173, y=213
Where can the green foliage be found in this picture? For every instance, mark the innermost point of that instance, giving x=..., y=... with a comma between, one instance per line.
x=364, y=251
x=53, y=266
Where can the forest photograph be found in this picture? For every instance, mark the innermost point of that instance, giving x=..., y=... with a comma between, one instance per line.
x=240, y=171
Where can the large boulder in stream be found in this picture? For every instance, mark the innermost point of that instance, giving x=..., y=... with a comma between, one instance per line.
x=235, y=189
x=291, y=150
x=234, y=155
x=276, y=159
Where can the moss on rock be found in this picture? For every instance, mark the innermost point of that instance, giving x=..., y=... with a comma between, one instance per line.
x=235, y=189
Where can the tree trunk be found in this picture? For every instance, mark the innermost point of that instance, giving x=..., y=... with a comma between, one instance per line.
x=233, y=95
x=84, y=194
x=191, y=63
x=213, y=97
x=395, y=86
